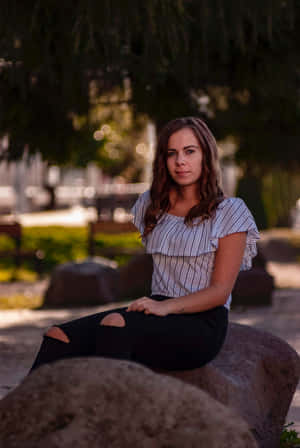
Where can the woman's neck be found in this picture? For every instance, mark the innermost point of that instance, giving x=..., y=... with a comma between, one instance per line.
x=184, y=194
x=182, y=200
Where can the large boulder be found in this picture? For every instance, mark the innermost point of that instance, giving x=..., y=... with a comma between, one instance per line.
x=278, y=249
x=90, y=282
x=253, y=288
x=135, y=277
x=255, y=374
x=98, y=402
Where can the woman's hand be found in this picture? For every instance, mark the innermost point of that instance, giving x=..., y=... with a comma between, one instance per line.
x=149, y=306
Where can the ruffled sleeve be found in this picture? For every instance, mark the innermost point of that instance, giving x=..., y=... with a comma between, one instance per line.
x=139, y=209
x=234, y=216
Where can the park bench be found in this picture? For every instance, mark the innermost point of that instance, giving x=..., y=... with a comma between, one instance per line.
x=110, y=227
x=13, y=230
x=107, y=204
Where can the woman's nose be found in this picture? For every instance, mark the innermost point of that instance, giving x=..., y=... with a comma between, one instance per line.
x=180, y=159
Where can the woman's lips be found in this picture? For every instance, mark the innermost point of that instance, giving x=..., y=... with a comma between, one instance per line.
x=182, y=173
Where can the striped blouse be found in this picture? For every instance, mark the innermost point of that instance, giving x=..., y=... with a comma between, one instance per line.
x=183, y=256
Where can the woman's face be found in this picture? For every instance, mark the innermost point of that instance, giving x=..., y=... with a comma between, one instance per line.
x=184, y=157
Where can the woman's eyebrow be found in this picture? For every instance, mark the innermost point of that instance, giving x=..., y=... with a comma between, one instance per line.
x=185, y=147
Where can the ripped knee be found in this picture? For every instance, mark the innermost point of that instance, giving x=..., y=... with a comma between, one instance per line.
x=113, y=319
x=57, y=333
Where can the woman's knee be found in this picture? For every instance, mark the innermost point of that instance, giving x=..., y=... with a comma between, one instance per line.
x=57, y=333
x=113, y=319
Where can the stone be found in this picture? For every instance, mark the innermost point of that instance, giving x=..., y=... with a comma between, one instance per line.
x=259, y=261
x=256, y=374
x=278, y=249
x=91, y=282
x=99, y=402
x=253, y=288
x=135, y=277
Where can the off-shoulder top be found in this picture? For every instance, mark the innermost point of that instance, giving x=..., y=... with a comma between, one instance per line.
x=183, y=256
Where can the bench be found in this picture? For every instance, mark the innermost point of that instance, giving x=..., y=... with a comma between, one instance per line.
x=14, y=231
x=110, y=227
x=106, y=204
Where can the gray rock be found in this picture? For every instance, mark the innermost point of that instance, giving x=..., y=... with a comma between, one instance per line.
x=135, y=277
x=91, y=282
x=253, y=288
x=98, y=402
x=278, y=249
x=255, y=374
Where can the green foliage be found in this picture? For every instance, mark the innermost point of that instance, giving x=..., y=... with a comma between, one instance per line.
x=63, y=244
x=52, y=52
x=250, y=189
x=280, y=193
x=271, y=197
x=289, y=437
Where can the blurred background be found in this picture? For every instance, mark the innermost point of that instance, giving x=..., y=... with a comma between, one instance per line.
x=86, y=86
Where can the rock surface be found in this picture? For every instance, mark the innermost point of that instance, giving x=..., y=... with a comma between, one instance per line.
x=102, y=402
x=253, y=288
x=256, y=374
x=92, y=282
x=135, y=277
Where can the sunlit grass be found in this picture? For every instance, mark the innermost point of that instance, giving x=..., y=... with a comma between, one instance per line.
x=59, y=245
x=20, y=301
x=10, y=275
x=21, y=275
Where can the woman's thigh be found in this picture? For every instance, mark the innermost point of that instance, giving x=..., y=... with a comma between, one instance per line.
x=177, y=341
x=82, y=332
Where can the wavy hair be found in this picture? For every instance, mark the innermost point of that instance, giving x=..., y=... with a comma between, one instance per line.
x=209, y=190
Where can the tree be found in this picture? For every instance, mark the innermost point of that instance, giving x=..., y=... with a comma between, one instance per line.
x=172, y=52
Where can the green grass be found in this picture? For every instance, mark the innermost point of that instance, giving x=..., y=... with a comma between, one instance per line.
x=59, y=244
x=10, y=274
x=289, y=437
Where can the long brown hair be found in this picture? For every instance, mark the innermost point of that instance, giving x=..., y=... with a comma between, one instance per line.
x=209, y=191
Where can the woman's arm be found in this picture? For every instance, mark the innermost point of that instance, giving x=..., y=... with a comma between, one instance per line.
x=228, y=259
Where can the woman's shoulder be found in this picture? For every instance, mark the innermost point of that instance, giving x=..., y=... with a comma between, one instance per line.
x=145, y=196
x=231, y=206
x=232, y=214
x=230, y=201
x=142, y=200
x=139, y=208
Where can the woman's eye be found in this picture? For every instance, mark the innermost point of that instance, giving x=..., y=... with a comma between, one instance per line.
x=170, y=153
x=190, y=151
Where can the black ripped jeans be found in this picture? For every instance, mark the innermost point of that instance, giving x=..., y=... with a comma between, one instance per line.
x=172, y=342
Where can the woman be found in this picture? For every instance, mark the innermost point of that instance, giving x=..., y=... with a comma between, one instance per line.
x=199, y=241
